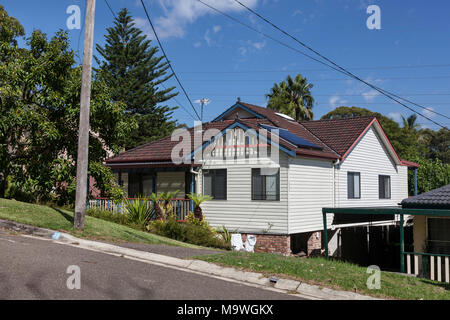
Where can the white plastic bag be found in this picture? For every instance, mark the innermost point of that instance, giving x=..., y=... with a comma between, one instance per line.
x=236, y=241
x=250, y=243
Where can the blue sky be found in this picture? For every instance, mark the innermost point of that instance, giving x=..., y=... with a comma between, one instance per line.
x=221, y=60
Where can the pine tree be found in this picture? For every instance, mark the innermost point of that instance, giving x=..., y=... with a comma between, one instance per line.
x=135, y=74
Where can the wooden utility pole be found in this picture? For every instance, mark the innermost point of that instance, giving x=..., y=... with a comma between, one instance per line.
x=83, y=131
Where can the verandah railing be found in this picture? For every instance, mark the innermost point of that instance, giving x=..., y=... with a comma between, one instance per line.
x=428, y=265
x=181, y=206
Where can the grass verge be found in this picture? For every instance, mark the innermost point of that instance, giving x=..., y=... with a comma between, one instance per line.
x=333, y=274
x=62, y=220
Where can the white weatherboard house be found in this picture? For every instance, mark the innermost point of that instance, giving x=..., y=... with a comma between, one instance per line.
x=269, y=175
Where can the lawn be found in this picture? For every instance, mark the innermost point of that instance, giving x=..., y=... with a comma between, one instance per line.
x=62, y=220
x=333, y=274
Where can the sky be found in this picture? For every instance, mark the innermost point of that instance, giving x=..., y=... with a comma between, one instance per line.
x=218, y=59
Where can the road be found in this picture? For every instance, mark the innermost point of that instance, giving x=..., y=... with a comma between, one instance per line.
x=37, y=269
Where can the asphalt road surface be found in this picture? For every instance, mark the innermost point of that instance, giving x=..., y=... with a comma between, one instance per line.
x=37, y=269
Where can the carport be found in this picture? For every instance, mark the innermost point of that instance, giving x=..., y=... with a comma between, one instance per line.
x=400, y=212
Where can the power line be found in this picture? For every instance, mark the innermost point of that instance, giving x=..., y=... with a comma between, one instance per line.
x=328, y=79
x=167, y=59
x=110, y=9
x=382, y=91
x=182, y=106
x=309, y=70
x=333, y=94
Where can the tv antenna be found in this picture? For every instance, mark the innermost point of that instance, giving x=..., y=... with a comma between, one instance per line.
x=203, y=102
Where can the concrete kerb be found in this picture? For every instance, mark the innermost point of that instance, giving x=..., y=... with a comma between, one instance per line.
x=287, y=285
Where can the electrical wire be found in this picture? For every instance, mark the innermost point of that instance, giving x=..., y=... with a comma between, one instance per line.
x=382, y=91
x=167, y=59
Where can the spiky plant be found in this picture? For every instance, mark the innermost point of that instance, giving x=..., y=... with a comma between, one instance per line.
x=158, y=211
x=138, y=210
x=198, y=199
x=167, y=206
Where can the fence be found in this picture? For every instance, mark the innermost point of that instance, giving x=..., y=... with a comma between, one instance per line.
x=428, y=265
x=181, y=206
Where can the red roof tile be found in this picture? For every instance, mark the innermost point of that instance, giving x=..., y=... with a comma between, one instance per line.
x=338, y=134
x=334, y=137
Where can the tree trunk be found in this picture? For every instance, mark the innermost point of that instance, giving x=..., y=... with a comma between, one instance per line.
x=198, y=214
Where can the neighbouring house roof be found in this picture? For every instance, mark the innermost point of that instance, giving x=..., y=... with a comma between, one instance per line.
x=434, y=199
x=333, y=139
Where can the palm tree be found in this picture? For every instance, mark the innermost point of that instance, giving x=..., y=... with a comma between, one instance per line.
x=293, y=98
x=410, y=123
x=198, y=199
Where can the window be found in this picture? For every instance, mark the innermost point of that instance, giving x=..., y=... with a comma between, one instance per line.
x=438, y=235
x=265, y=186
x=353, y=185
x=215, y=183
x=384, y=187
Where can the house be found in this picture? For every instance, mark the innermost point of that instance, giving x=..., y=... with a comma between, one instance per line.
x=270, y=175
x=431, y=232
x=429, y=256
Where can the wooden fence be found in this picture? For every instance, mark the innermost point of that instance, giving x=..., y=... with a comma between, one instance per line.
x=181, y=206
x=428, y=265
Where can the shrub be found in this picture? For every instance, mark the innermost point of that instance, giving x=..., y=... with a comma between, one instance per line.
x=198, y=199
x=194, y=233
x=109, y=216
x=138, y=211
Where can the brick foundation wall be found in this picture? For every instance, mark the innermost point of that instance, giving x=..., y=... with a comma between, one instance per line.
x=271, y=243
x=314, y=242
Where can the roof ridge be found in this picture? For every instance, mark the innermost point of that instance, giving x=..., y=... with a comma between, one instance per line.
x=340, y=119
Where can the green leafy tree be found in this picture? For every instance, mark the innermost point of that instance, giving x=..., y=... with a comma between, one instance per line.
x=292, y=97
x=39, y=115
x=431, y=174
x=130, y=67
x=410, y=123
x=436, y=143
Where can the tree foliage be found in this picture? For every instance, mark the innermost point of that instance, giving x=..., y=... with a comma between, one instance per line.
x=130, y=67
x=39, y=114
x=431, y=174
x=293, y=98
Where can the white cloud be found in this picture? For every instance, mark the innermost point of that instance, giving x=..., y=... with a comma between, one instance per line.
x=197, y=44
x=179, y=13
x=334, y=100
x=217, y=29
x=428, y=112
x=296, y=12
x=396, y=116
x=242, y=51
x=258, y=45
x=207, y=38
x=370, y=95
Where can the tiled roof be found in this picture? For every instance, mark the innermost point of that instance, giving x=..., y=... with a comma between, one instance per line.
x=297, y=129
x=339, y=134
x=161, y=150
x=434, y=199
x=334, y=137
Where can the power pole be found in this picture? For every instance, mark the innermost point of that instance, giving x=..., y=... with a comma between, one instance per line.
x=83, y=131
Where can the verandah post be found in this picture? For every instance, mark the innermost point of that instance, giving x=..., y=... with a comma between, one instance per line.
x=325, y=233
x=402, y=245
